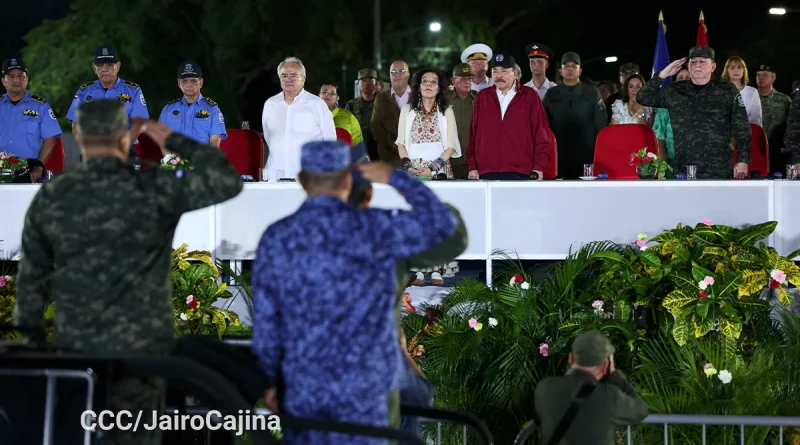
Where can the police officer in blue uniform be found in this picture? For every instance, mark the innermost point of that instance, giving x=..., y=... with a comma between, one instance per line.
x=194, y=115
x=324, y=296
x=110, y=86
x=28, y=126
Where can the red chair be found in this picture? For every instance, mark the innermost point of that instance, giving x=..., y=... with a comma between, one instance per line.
x=551, y=172
x=343, y=135
x=56, y=162
x=759, y=151
x=615, y=145
x=148, y=150
x=245, y=150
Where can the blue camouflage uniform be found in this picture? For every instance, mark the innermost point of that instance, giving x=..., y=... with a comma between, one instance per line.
x=199, y=120
x=129, y=93
x=324, y=299
x=24, y=126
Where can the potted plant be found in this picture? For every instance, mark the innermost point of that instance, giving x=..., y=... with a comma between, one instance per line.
x=9, y=166
x=648, y=166
x=175, y=162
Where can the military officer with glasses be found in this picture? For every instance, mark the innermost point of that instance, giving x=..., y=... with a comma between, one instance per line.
x=195, y=116
x=386, y=112
x=110, y=86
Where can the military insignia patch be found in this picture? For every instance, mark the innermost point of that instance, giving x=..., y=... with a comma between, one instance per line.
x=31, y=113
x=141, y=99
x=740, y=100
x=131, y=84
x=124, y=97
x=52, y=115
x=86, y=85
x=36, y=98
x=176, y=113
x=221, y=120
x=209, y=101
x=202, y=114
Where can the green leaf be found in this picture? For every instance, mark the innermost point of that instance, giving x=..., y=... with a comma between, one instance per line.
x=730, y=328
x=701, y=309
x=609, y=255
x=641, y=286
x=702, y=327
x=727, y=309
x=680, y=331
x=682, y=253
x=623, y=310
x=714, y=251
x=794, y=254
x=678, y=299
x=784, y=296
x=699, y=273
x=755, y=233
x=730, y=346
x=729, y=287
x=650, y=259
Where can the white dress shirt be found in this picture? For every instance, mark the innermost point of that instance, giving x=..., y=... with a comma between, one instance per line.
x=543, y=90
x=752, y=103
x=506, y=99
x=287, y=127
x=401, y=100
x=487, y=82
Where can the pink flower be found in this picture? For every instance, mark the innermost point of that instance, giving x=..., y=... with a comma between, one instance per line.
x=473, y=322
x=192, y=302
x=173, y=162
x=709, y=280
x=516, y=279
x=778, y=275
x=543, y=349
x=646, y=160
x=707, y=222
x=651, y=155
x=641, y=243
x=2, y=281
x=597, y=304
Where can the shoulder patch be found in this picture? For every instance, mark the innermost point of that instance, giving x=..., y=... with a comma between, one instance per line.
x=39, y=99
x=209, y=101
x=86, y=85
x=174, y=101
x=739, y=100
x=130, y=84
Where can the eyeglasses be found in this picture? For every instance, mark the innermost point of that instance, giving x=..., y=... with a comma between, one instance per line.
x=16, y=76
x=400, y=71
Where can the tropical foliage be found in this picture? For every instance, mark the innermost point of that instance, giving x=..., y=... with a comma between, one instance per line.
x=688, y=297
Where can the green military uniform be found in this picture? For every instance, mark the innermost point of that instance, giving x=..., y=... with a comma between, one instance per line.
x=792, y=139
x=362, y=110
x=705, y=120
x=774, y=109
x=462, y=109
x=614, y=402
x=576, y=115
x=97, y=242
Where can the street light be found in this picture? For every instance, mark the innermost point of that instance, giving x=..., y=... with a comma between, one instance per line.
x=611, y=59
x=777, y=11
x=435, y=27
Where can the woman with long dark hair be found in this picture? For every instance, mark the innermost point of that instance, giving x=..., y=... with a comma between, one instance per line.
x=426, y=133
x=626, y=110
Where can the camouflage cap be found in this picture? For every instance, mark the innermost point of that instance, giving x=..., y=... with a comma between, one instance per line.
x=103, y=117
x=325, y=157
x=367, y=73
x=462, y=70
x=701, y=51
x=591, y=348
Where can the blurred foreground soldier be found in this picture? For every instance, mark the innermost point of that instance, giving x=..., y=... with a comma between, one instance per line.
x=307, y=268
x=707, y=114
x=97, y=242
x=194, y=115
x=586, y=406
x=28, y=126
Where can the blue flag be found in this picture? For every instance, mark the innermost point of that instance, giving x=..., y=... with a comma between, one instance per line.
x=661, y=57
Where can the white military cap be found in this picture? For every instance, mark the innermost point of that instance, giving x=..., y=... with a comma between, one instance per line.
x=478, y=51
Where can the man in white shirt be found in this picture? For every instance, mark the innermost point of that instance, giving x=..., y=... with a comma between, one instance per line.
x=478, y=56
x=539, y=57
x=290, y=119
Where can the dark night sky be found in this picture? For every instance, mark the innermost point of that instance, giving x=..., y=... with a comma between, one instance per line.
x=593, y=29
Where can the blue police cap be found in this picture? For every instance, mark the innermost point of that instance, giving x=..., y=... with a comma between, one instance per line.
x=105, y=54
x=325, y=157
x=189, y=69
x=358, y=155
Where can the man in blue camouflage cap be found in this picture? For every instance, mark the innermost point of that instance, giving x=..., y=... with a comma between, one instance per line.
x=326, y=275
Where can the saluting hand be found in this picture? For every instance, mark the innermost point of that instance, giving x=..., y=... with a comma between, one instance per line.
x=672, y=69
x=377, y=172
x=157, y=131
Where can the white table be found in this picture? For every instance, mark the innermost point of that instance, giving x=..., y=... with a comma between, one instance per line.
x=531, y=220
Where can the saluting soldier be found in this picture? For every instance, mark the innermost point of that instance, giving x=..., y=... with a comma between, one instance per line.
x=707, y=114
x=28, y=126
x=462, y=98
x=194, y=115
x=610, y=401
x=110, y=86
x=308, y=264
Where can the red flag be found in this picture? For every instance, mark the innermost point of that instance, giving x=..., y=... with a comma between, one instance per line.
x=702, y=40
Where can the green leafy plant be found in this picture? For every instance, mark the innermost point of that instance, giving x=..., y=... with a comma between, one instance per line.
x=648, y=166
x=174, y=162
x=195, y=290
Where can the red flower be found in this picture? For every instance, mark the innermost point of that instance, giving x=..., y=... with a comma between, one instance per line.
x=193, y=304
x=13, y=161
x=703, y=294
x=774, y=284
x=646, y=160
x=519, y=279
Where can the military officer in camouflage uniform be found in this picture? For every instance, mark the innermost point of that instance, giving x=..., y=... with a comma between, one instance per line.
x=707, y=115
x=362, y=108
x=324, y=285
x=792, y=139
x=612, y=404
x=775, y=107
x=97, y=242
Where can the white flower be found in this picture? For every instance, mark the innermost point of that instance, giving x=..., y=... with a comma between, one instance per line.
x=725, y=376
x=492, y=322
x=702, y=285
x=525, y=286
x=183, y=316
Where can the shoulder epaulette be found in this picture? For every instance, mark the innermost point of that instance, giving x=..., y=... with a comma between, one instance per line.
x=86, y=85
x=209, y=101
x=39, y=99
x=174, y=101
x=130, y=84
